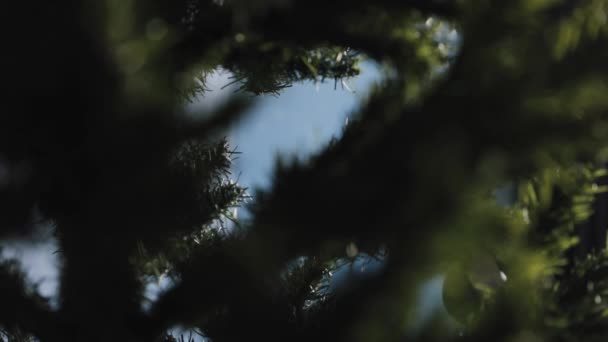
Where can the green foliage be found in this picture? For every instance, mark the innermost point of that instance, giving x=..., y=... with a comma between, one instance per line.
x=477, y=94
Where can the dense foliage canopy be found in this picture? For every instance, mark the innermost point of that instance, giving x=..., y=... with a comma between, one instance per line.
x=478, y=95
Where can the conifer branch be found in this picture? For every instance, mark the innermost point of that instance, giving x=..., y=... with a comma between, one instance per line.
x=23, y=308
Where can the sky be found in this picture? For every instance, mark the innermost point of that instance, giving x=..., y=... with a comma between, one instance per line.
x=298, y=122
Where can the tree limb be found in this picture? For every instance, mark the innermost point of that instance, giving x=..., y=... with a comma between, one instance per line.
x=26, y=310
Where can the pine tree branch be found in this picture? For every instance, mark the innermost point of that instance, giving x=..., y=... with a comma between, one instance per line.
x=212, y=26
x=23, y=308
x=207, y=281
x=442, y=8
x=232, y=276
x=219, y=291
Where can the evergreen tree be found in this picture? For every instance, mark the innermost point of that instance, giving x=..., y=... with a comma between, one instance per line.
x=95, y=141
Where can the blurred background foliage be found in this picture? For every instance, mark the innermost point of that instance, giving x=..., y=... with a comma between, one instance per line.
x=478, y=96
